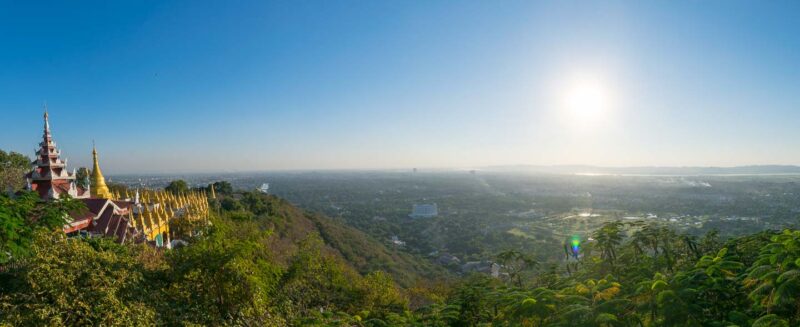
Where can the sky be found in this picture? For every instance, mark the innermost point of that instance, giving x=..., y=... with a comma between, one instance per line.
x=204, y=86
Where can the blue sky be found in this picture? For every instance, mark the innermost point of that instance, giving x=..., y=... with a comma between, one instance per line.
x=183, y=86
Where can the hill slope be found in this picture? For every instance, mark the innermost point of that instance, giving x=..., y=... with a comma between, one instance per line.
x=366, y=254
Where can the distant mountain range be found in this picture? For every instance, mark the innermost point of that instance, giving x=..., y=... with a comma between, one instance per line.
x=658, y=171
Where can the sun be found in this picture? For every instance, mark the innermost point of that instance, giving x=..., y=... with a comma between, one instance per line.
x=586, y=100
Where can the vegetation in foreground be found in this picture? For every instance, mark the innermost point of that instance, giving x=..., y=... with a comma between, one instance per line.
x=238, y=272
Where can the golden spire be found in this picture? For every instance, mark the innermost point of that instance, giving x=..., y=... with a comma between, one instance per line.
x=99, y=187
x=213, y=194
x=132, y=220
x=160, y=217
x=149, y=218
x=142, y=223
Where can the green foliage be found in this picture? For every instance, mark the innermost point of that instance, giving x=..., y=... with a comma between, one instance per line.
x=774, y=278
x=608, y=239
x=220, y=188
x=13, y=167
x=770, y=320
x=650, y=276
x=229, y=274
x=82, y=177
x=230, y=204
x=226, y=276
x=76, y=282
x=516, y=263
x=177, y=187
x=223, y=188
x=263, y=262
x=21, y=215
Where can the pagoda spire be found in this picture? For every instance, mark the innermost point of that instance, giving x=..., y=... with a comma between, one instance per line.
x=99, y=187
x=49, y=175
x=46, y=122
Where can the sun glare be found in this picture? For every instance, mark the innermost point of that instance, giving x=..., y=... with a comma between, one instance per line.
x=586, y=100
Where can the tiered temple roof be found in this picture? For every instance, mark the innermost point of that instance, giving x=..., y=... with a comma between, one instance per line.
x=49, y=176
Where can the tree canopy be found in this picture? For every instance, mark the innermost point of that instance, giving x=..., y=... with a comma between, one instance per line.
x=177, y=187
x=13, y=167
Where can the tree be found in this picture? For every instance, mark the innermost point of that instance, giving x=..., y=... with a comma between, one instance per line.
x=315, y=281
x=515, y=263
x=82, y=177
x=473, y=299
x=13, y=167
x=608, y=239
x=231, y=204
x=177, y=187
x=379, y=294
x=223, y=187
x=224, y=277
x=220, y=188
x=78, y=282
x=775, y=277
x=257, y=203
x=22, y=215
x=439, y=315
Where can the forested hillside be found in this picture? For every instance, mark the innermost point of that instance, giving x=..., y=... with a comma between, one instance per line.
x=264, y=262
x=290, y=224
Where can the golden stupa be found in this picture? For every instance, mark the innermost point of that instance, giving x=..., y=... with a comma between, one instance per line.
x=99, y=187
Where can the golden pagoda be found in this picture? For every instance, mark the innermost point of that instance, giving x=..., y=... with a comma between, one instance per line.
x=99, y=188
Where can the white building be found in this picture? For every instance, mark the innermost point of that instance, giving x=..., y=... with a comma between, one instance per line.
x=424, y=211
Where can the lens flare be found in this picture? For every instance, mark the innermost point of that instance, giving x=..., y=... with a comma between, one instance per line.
x=576, y=245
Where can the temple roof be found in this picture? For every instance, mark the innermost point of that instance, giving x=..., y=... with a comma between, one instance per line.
x=49, y=175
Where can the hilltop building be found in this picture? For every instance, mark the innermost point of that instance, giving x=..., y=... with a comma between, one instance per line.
x=145, y=216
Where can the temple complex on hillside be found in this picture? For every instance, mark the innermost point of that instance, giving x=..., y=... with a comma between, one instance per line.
x=144, y=216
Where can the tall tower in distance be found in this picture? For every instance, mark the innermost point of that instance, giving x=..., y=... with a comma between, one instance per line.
x=99, y=188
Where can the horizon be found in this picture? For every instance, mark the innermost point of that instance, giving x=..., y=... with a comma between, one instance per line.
x=570, y=170
x=263, y=86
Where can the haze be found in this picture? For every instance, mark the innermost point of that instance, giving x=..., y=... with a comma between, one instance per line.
x=197, y=86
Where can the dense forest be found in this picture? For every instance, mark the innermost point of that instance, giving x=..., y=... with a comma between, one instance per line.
x=264, y=262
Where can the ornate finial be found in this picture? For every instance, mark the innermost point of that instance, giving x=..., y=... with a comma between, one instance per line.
x=46, y=121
